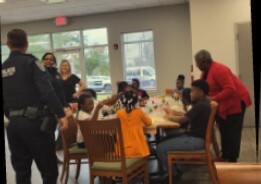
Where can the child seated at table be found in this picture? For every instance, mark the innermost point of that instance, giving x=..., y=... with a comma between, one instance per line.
x=132, y=121
x=186, y=104
x=196, y=119
x=87, y=109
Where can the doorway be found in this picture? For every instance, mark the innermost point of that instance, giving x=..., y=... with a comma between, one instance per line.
x=245, y=65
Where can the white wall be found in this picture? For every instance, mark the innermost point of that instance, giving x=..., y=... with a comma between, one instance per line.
x=213, y=27
x=172, y=38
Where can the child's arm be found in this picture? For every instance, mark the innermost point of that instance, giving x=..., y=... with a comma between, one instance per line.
x=179, y=119
x=96, y=111
x=169, y=111
x=145, y=119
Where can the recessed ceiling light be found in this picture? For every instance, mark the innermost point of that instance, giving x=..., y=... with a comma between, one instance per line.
x=53, y=1
x=2, y=1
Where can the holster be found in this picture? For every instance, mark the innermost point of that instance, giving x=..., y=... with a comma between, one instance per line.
x=49, y=121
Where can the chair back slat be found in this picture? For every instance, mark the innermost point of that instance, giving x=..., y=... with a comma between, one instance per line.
x=69, y=135
x=103, y=139
x=211, y=122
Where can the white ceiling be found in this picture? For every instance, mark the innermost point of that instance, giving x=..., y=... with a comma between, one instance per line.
x=14, y=11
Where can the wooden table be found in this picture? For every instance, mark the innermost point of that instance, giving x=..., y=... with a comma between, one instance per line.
x=152, y=129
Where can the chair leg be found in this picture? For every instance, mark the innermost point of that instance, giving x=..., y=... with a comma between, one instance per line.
x=146, y=174
x=215, y=143
x=92, y=179
x=63, y=170
x=67, y=171
x=78, y=169
x=170, y=168
x=124, y=179
x=212, y=171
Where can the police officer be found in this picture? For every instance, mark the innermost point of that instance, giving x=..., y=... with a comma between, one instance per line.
x=26, y=89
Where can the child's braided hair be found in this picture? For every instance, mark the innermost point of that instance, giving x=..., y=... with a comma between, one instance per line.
x=129, y=100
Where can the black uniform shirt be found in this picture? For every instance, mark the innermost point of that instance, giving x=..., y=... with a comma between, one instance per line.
x=26, y=83
x=56, y=83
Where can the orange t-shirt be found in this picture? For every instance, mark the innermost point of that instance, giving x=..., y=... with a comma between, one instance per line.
x=134, y=141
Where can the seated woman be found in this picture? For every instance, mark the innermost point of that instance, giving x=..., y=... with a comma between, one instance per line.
x=179, y=88
x=186, y=102
x=114, y=101
x=180, y=82
x=132, y=121
x=196, y=120
x=142, y=94
x=87, y=110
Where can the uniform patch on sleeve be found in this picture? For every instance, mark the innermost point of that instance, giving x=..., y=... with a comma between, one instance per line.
x=8, y=72
x=40, y=65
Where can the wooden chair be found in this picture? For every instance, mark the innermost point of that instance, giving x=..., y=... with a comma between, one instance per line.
x=239, y=173
x=104, y=141
x=202, y=156
x=71, y=149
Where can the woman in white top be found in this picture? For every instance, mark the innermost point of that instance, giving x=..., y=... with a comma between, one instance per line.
x=186, y=102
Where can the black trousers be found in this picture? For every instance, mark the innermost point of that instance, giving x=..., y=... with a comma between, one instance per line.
x=230, y=132
x=27, y=143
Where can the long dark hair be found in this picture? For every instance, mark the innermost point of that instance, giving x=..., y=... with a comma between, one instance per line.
x=129, y=99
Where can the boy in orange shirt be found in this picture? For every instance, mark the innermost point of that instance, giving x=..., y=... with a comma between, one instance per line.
x=132, y=121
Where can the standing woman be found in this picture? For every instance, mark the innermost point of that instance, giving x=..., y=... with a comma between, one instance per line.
x=50, y=64
x=232, y=97
x=69, y=82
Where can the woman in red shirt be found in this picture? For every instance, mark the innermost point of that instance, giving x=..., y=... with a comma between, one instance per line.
x=233, y=98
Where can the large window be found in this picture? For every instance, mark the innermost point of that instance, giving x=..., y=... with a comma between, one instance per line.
x=39, y=44
x=66, y=39
x=96, y=58
x=138, y=57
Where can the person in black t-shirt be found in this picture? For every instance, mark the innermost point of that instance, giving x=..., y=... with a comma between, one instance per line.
x=69, y=82
x=141, y=93
x=196, y=120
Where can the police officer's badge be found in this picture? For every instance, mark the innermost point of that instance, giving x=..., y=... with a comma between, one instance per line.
x=8, y=72
x=40, y=65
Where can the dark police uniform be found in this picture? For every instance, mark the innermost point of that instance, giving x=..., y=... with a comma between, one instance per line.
x=26, y=89
x=58, y=89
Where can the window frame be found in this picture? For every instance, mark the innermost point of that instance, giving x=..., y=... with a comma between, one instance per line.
x=139, y=42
